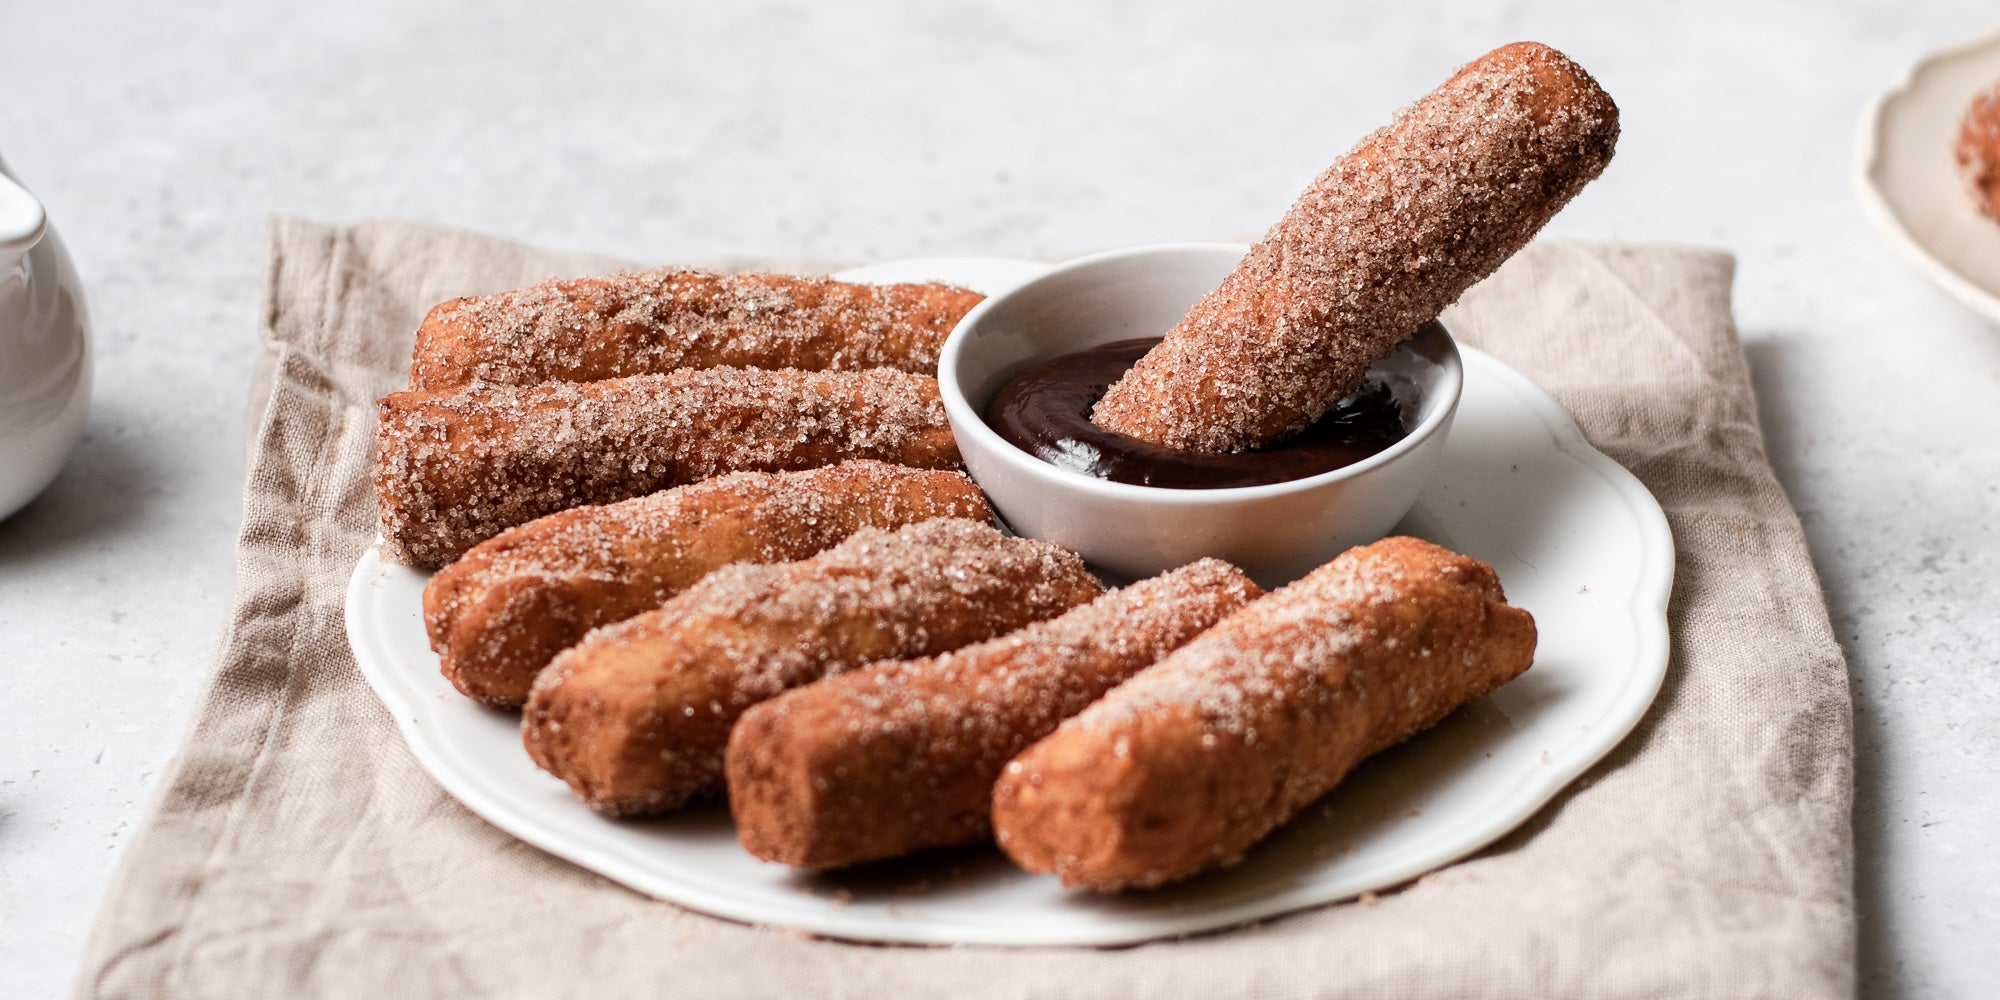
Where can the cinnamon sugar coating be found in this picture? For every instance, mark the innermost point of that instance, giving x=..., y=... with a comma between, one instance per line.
x=636, y=717
x=635, y=323
x=1195, y=759
x=455, y=468
x=902, y=756
x=499, y=614
x=1978, y=151
x=1381, y=243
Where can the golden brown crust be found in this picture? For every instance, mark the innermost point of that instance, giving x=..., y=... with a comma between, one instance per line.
x=1391, y=234
x=636, y=717
x=500, y=613
x=647, y=322
x=453, y=469
x=901, y=757
x=1198, y=757
x=1979, y=151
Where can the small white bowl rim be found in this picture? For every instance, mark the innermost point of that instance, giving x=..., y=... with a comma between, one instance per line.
x=1451, y=384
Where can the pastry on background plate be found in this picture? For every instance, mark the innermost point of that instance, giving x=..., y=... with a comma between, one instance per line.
x=1979, y=150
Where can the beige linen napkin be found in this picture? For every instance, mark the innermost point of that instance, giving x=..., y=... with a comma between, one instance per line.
x=296, y=849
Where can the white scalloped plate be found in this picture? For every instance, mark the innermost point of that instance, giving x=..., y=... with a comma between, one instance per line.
x=1908, y=180
x=1576, y=539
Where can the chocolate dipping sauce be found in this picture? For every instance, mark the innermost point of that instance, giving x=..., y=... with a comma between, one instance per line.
x=1045, y=411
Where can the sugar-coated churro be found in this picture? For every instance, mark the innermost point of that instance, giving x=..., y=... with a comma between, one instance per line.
x=453, y=469
x=1198, y=757
x=1377, y=246
x=902, y=756
x=636, y=717
x=500, y=613
x=646, y=322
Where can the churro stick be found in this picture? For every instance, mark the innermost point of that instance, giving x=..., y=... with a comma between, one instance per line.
x=902, y=756
x=1376, y=247
x=586, y=329
x=636, y=716
x=498, y=615
x=1189, y=763
x=453, y=469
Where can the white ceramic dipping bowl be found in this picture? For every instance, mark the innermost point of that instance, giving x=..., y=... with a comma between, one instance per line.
x=1276, y=533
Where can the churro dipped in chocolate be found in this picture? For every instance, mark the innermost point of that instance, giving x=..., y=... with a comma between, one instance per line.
x=453, y=469
x=646, y=322
x=1377, y=246
x=1195, y=759
x=498, y=615
x=636, y=716
x=1978, y=151
x=901, y=757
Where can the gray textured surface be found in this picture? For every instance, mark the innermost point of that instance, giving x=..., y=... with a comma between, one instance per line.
x=161, y=136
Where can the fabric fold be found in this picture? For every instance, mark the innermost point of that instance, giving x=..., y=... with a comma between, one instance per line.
x=295, y=848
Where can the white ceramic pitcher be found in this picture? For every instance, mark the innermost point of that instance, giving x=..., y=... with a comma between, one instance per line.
x=44, y=349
